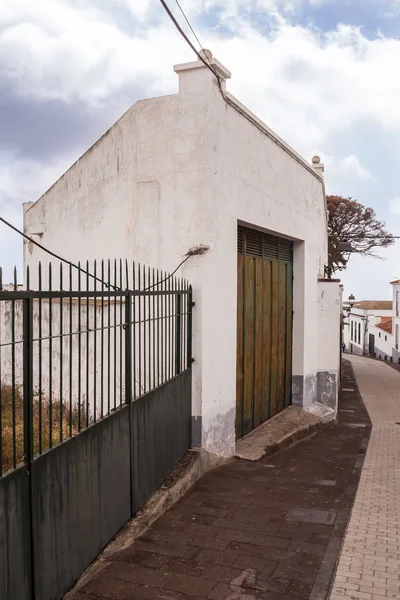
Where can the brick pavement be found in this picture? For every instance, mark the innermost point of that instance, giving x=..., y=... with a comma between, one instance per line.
x=229, y=538
x=369, y=567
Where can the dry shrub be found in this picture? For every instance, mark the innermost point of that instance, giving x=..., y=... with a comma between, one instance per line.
x=60, y=418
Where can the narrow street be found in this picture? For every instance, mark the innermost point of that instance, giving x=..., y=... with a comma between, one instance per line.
x=369, y=567
x=274, y=530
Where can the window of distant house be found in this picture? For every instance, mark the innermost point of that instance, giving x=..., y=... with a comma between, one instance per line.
x=379, y=334
x=397, y=337
x=359, y=333
x=385, y=338
x=397, y=304
x=352, y=328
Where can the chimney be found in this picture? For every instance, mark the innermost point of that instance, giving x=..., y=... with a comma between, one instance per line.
x=196, y=78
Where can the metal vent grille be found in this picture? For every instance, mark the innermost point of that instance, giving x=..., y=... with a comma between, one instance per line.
x=257, y=244
x=306, y=515
x=271, y=248
x=240, y=240
x=286, y=250
x=253, y=243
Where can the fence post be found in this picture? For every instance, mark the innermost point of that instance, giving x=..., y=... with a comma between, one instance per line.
x=178, y=334
x=128, y=388
x=28, y=419
x=128, y=347
x=189, y=329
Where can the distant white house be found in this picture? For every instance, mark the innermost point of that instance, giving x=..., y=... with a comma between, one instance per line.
x=396, y=320
x=197, y=167
x=359, y=333
x=381, y=338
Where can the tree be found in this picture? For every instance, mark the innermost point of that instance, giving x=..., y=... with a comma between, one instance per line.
x=353, y=229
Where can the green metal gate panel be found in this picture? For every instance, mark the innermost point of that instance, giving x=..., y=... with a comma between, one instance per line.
x=264, y=328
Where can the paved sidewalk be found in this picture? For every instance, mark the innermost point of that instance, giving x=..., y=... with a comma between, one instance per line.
x=230, y=537
x=369, y=566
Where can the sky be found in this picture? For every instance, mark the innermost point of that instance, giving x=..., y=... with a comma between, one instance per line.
x=321, y=73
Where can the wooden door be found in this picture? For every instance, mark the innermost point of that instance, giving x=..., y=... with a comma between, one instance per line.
x=371, y=344
x=264, y=328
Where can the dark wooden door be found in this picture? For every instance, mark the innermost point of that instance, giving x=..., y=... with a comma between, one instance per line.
x=264, y=328
x=371, y=344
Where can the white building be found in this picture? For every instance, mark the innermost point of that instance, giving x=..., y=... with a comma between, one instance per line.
x=381, y=338
x=359, y=333
x=197, y=167
x=396, y=320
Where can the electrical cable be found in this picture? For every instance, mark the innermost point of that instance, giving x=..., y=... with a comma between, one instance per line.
x=197, y=251
x=169, y=276
x=188, y=22
x=233, y=104
x=60, y=258
x=183, y=34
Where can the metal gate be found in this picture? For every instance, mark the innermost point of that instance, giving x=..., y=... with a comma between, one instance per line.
x=264, y=328
x=95, y=410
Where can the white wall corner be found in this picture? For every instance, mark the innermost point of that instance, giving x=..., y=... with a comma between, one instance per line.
x=26, y=206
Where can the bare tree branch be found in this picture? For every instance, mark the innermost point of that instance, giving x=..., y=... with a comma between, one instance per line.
x=350, y=221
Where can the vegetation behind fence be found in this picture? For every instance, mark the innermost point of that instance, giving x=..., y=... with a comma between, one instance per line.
x=78, y=320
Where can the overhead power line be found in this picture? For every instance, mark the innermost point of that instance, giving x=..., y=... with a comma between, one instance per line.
x=60, y=258
x=188, y=22
x=228, y=101
x=195, y=251
x=183, y=34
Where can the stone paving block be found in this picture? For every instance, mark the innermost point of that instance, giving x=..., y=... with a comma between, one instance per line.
x=373, y=535
x=229, y=536
x=196, y=586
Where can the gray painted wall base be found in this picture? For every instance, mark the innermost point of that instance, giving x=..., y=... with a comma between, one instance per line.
x=321, y=387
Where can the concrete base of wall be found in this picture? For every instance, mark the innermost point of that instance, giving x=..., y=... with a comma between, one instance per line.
x=396, y=356
x=319, y=388
x=327, y=389
x=356, y=350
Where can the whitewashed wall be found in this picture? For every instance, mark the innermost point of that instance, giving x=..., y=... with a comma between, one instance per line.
x=88, y=367
x=383, y=342
x=367, y=319
x=396, y=321
x=329, y=352
x=76, y=377
x=184, y=170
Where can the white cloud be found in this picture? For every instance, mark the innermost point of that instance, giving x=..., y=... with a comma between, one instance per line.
x=348, y=167
x=394, y=206
x=21, y=181
x=26, y=180
x=305, y=84
x=368, y=278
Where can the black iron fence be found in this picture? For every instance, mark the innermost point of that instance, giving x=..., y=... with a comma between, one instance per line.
x=95, y=410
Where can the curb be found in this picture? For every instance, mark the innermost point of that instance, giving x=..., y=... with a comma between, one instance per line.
x=295, y=437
